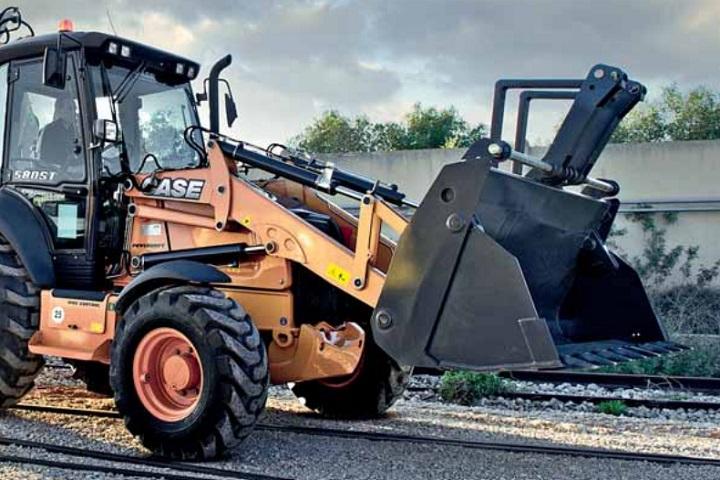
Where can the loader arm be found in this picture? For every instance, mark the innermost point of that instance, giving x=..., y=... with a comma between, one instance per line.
x=282, y=233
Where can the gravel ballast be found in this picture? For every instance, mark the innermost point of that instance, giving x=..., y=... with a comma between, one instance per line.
x=303, y=456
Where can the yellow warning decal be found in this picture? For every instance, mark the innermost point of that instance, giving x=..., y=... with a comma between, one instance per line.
x=96, y=327
x=337, y=273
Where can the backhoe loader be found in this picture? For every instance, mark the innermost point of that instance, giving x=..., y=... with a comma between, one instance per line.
x=182, y=271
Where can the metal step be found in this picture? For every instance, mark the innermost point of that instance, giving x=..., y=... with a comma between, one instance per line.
x=612, y=352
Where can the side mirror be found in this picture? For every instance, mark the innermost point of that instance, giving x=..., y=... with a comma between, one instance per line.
x=230, y=109
x=106, y=131
x=54, y=67
x=10, y=20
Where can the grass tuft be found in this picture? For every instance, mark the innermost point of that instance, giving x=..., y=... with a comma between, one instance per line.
x=466, y=388
x=612, y=407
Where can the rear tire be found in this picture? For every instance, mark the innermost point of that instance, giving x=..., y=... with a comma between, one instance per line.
x=19, y=320
x=369, y=392
x=230, y=355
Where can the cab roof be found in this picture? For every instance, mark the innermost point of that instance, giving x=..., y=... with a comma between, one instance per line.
x=96, y=45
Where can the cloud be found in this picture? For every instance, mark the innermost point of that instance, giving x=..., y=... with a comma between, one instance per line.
x=292, y=59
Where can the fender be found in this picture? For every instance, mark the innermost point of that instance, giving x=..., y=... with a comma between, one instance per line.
x=24, y=228
x=168, y=273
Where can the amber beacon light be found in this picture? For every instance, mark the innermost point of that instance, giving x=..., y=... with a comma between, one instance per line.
x=66, y=25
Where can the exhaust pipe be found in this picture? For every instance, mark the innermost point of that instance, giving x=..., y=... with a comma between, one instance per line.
x=213, y=89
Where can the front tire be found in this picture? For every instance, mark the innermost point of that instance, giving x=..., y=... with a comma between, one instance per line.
x=189, y=372
x=19, y=320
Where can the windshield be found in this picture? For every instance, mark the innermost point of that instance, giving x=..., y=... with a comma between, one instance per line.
x=152, y=115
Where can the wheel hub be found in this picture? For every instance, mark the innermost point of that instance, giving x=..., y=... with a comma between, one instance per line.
x=181, y=372
x=167, y=373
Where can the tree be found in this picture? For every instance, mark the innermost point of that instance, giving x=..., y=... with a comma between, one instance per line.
x=694, y=115
x=433, y=128
x=423, y=127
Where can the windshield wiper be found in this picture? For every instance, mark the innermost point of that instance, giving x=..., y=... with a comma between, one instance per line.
x=128, y=83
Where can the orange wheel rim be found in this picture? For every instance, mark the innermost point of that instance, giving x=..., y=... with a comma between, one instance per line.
x=167, y=374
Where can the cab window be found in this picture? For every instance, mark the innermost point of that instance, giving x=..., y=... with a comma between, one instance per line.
x=44, y=150
x=45, y=141
x=153, y=117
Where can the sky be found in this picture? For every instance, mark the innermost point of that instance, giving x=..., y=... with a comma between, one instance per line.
x=292, y=60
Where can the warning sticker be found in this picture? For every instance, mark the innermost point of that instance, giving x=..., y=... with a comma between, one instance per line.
x=57, y=314
x=151, y=229
x=337, y=273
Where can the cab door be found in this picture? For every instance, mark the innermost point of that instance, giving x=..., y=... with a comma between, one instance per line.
x=46, y=161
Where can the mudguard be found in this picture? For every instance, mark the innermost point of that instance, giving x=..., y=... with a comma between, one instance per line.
x=169, y=273
x=22, y=226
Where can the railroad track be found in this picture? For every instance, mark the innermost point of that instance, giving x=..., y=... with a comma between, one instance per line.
x=617, y=380
x=379, y=437
x=171, y=470
x=630, y=402
x=595, y=400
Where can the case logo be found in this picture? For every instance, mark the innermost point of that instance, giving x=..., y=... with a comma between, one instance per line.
x=173, y=187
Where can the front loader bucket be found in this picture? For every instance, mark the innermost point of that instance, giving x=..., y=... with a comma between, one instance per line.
x=498, y=271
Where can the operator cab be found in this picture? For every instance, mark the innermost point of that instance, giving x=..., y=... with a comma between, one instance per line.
x=83, y=111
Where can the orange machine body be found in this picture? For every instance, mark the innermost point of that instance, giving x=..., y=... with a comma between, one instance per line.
x=232, y=210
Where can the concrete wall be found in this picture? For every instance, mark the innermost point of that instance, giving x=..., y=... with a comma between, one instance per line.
x=681, y=177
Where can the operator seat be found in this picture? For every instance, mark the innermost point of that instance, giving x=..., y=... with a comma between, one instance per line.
x=58, y=138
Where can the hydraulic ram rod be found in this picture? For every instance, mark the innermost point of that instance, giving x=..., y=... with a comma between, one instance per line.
x=501, y=152
x=217, y=255
x=330, y=180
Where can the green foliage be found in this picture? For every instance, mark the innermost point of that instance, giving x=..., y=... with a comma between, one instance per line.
x=612, y=407
x=702, y=361
x=657, y=261
x=423, y=127
x=163, y=137
x=687, y=306
x=694, y=115
x=466, y=388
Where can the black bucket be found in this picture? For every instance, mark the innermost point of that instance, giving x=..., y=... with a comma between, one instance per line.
x=499, y=271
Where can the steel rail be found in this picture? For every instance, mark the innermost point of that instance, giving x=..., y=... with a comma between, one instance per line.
x=441, y=441
x=496, y=446
x=595, y=400
x=85, y=467
x=630, y=402
x=153, y=462
x=617, y=380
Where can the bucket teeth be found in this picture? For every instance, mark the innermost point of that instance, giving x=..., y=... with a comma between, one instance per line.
x=643, y=351
x=659, y=349
x=672, y=346
x=611, y=355
x=601, y=354
x=630, y=354
x=596, y=359
x=573, y=362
